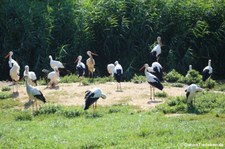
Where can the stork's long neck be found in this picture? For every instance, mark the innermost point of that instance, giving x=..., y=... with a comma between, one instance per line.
x=209, y=63
x=146, y=70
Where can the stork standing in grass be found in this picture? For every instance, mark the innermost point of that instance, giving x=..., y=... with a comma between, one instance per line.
x=80, y=67
x=33, y=93
x=14, y=71
x=118, y=72
x=54, y=63
x=92, y=96
x=207, y=71
x=32, y=79
x=156, y=51
x=191, y=92
x=90, y=62
x=110, y=69
x=152, y=80
x=53, y=77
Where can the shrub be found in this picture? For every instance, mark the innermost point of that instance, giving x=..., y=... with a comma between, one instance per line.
x=173, y=76
x=177, y=85
x=161, y=94
x=6, y=88
x=47, y=109
x=70, y=79
x=71, y=113
x=23, y=116
x=192, y=76
x=138, y=79
x=5, y=95
x=210, y=83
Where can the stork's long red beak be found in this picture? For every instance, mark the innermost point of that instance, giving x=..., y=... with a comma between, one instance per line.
x=142, y=68
x=94, y=54
x=7, y=55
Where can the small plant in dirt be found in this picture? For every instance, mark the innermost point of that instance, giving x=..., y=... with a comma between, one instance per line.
x=177, y=85
x=71, y=113
x=6, y=88
x=161, y=94
x=138, y=79
x=23, y=116
x=173, y=76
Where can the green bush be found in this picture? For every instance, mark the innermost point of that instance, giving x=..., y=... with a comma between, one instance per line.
x=5, y=95
x=173, y=76
x=138, y=79
x=47, y=109
x=70, y=79
x=192, y=77
x=177, y=85
x=6, y=88
x=209, y=83
x=161, y=94
x=23, y=116
x=72, y=113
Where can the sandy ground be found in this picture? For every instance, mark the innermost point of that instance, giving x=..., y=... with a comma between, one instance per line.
x=72, y=94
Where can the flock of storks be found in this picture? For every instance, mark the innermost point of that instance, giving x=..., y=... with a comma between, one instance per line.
x=154, y=76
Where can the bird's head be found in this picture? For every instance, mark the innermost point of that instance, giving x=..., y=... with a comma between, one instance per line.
x=50, y=57
x=9, y=54
x=89, y=53
x=144, y=66
x=116, y=62
x=79, y=58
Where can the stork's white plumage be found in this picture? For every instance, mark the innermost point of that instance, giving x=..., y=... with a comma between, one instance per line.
x=80, y=67
x=14, y=72
x=118, y=72
x=33, y=93
x=157, y=70
x=92, y=96
x=90, y=62
x=54, y=77
x=54, y=63
x=32, y=79
x=152, y=80
x=110, y=69
x=156, y=51
x=207, y=71
x=191, y=92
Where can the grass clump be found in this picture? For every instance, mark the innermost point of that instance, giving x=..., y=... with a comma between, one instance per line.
x=71, y=113
x=192, y=77
x=138, y=79
x=23, y=116
x=173, y=76
x=209, y=83
x=5, y=95
x=161, y=94
x=6, y=88
x=70, y=79
x=48, y=109
x=177, y=85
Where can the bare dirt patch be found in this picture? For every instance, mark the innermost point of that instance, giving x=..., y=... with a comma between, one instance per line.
x=72, y=94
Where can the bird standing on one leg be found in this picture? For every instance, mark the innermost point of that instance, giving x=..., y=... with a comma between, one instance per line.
x=90, y=62
x=118, y=72
x=191, y=92
x=92, y=96
x=80, y=67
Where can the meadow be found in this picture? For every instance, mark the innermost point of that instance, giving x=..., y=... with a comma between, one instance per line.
x=171, y=124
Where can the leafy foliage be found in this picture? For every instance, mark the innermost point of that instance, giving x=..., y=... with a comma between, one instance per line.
x=173, y=76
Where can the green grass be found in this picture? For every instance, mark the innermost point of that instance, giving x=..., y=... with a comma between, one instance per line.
x=110, y=127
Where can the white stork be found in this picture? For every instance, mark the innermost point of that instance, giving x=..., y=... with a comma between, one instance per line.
x=53, y=77
x=110, y=69
x=90, y=62
x=14, y=71
x=80, y=67
x=118, y=72
x=33, y=93
x=92, y=96
x=32, y=79
x=156, y=51
x=54, y=63
x=191, y=92
x=207, y=71
x=152, y=80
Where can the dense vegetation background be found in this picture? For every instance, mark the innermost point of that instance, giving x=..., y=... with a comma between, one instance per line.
x=192, y=31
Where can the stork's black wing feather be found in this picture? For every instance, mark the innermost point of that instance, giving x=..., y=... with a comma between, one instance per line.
x=40, y=97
